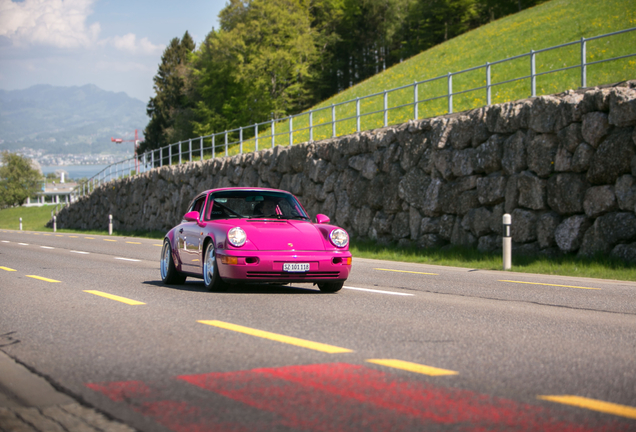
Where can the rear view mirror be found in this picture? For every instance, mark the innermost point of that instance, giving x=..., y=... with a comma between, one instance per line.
x=192, y=216
x=321, y=218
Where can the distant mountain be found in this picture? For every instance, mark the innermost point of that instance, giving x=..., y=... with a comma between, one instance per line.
x=68, y=120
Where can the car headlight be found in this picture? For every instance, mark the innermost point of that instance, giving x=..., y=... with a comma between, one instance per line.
x=339, y=237
x=237, y=237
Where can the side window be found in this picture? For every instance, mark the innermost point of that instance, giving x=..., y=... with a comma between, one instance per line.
x=197, y=206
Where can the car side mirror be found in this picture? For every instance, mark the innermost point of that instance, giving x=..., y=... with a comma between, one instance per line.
x=192, y=216
x=321, y=218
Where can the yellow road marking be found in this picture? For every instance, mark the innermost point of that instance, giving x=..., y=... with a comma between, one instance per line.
x=157, y=245
x=109, y=240
x=114, y=297
x=90, y=238
x=537, y=283
x=133, y=242
x=413, y=367
x=73, y=236
x=59, y=235
x=7, y=269
x=406, y=271
x=317, y=346
x=36, y=233
x=594, y=405
x=46, y=234
x=42, y=278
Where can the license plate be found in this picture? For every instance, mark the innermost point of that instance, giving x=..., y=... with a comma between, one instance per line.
x=296, y=267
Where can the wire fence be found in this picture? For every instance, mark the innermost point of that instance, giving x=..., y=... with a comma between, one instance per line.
x=363, y=113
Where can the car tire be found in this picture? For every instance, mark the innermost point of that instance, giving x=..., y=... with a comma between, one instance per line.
x=211, y=278
x=169, y=273
x=330, y=287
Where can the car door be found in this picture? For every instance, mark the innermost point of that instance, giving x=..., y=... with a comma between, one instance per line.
x=190, y=235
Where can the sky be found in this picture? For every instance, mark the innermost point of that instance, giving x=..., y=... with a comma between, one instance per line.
x=114, y=44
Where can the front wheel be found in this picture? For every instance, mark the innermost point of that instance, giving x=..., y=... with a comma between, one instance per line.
x=330, y=287
x=211, y=278
x=169, y=273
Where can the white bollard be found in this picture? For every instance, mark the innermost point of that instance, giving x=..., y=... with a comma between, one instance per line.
x=20, y=224
x=507, y=242
x=54, y=223
x=110, y=224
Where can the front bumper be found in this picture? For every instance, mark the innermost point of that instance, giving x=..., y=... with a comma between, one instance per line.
x=267, y=266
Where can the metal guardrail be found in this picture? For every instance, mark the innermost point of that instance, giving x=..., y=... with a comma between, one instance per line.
x=211, y=146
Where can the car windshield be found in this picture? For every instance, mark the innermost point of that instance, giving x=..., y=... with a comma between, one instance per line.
x=253, y=204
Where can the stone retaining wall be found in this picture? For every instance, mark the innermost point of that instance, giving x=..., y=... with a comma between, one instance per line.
x=564, y=167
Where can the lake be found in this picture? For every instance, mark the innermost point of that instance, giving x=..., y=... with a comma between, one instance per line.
x=75, y=172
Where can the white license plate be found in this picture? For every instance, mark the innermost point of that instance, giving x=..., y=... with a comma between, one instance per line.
x=296, y=267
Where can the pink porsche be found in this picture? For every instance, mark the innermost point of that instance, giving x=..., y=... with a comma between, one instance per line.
x=254, y=235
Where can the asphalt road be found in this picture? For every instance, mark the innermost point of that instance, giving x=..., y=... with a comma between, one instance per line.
x=401, y=347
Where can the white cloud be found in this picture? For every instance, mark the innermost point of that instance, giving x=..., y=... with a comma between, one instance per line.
x=130, y=44
x=58, y=23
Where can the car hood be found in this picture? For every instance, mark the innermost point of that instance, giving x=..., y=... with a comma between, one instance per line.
x=279, y=235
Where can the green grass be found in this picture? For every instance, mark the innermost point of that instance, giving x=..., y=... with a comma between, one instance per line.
x=549, y=24
x=601, y=267
x=35, y=219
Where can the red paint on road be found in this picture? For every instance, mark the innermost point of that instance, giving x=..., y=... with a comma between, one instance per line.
x=330, y=397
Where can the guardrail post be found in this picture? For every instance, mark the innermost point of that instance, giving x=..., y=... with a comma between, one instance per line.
x=415, y=104
x=450, y=93
x=161, y=156
x=357, y=114
x=533, y=71
x=333, y=121
x=255, y=137
x=180, y=149
x=386, y=105
x=241, y=140
x=488, y=92
x=201, y=149
x=507, y=242
x=213, y=146
x=190, y=150
x=20, y=224
x=226, y=143
x=54, y=223
x=583, y=65
x=110, y=224
x=311, y=126
x=169, y=154
x=273, y=134
x=291, y=127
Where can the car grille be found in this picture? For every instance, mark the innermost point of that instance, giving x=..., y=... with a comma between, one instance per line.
x=292, y=275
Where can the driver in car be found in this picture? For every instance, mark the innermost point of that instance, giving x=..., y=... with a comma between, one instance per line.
x=266, y=208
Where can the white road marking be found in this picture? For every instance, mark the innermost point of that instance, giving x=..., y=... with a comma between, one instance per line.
x=6, y=241
x=47, y=247
x=127, y=259
x=80, y=252
x=378, y=291
x=23, y=244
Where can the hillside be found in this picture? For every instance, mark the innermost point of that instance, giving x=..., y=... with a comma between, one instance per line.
x=549, y=24
x=79, y=120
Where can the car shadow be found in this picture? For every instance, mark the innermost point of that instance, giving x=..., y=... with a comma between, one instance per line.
x=197, y=286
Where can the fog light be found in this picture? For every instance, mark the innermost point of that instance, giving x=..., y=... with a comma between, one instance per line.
x=231, y=260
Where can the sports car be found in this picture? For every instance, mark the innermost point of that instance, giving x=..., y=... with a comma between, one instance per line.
x=254, y=235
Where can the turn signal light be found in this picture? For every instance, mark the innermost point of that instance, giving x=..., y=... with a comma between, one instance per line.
x=347, y=261
x=231, y=260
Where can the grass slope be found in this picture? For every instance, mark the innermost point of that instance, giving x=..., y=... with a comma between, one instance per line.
x=549, y=24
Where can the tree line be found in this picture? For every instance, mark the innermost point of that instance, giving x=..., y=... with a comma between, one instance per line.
x=273, y=58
